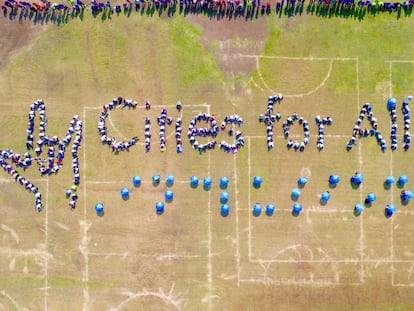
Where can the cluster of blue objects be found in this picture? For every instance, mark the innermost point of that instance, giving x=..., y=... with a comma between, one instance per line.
x=356, y=180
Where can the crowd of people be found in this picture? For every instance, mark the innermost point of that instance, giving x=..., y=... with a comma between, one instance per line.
x=367, y=111
x=163, y=120
x=54, y=161
x=24, y=162
x=194, y=131
x=269, y=118
x=217, y=8
x=407, y=121
x=238, y=135
x=286, y=129
x=178, y=132
x=116, y=146
x=321, y=123
x=357, y=131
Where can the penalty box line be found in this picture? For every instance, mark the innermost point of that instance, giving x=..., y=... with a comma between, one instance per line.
x=152, y=107
x=310, y=58
x=332, y=261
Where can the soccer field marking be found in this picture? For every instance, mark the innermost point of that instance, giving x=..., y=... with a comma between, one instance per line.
x=148, y=182
x=328, y=75
x=361, y=164
x=317, y=210
x=310, y=92
x=158, y=257
x=46, y=230
x=171, y=299
x=329, y=260
x=299, y=282
x=236, y=204
x=311, y=58
x=296, y=136
x=289, y=248
x=401, y=61
x=3, y=293
x=391, y=193
x=255, y=84
x=12, y=232
x=84, y=227
x=209, y=297
x=249, y=198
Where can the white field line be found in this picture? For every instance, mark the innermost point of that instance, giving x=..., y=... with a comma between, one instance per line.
x=209, y=241
x=109, y=182
x=403, y=285
x=236, y=204
x=331, y=261
x=168, y=299
x=162, y=257
x=298, y=136
x=328, y=210
x=391, y=196
x=401, y=61
x=261, y=77
x=84, y=243
x=46, y=229
x=249, y=198
x=361, y=164
x=315, y=89
x=115, y=128
x=3, y=293
x=310, y=92
x=297, y=282
x=255, y=84
x=152, y=107
x=311, y=58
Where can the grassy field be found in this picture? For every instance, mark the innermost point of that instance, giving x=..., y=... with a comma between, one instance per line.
x=192, y=258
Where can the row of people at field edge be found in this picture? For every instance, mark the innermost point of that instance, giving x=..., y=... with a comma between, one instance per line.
x=222, y=6
x=45, y=7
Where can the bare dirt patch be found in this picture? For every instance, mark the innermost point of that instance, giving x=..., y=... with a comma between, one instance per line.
x=227, y=39
x=14, y=35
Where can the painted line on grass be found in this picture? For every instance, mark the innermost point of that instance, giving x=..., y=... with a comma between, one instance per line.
x=209, y=241
x=249, y=198
x=84, y=227
x=361, y=163
x=46, y=230
x=332, y=261
x=400, y=61
x=322, y=84
x=391, y=193
x=311, y=58
x=169, y=299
